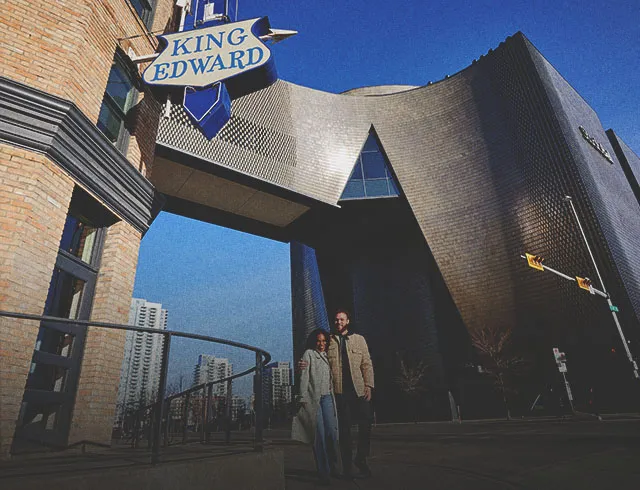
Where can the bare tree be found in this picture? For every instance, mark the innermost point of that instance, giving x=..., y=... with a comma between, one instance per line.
x=197, y=410
x=410, y=380
x=498, y=360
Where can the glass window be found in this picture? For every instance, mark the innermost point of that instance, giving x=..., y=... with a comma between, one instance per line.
x=374, y=166
x=371, y=144
x=119, y=87
x=47, y=377
x=393, y=188
x=144, y=9
x=66, y=295
x=371, y=176
x=354, y=189
x=116, y=102
x=43, y=414
x=357, y=171
x=109, y=123
x=78, y=238
x=377, y=187
x=55, y=342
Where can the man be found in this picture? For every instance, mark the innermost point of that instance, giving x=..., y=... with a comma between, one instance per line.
x=352, y=374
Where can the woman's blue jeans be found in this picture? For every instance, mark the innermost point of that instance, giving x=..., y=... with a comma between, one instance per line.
x=325, y=447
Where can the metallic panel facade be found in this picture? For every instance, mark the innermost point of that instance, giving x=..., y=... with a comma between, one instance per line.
x=629, y=161
x=484, y=159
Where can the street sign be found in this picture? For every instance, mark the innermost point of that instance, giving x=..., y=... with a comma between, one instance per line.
x=561, y=359
x=614, y=308
x=559, y=356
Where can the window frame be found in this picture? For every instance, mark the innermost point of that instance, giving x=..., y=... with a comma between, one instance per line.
x=124, y=131
x=371, y=146
x=148, y=10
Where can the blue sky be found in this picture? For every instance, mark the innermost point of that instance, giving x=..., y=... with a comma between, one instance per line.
x=229, y=284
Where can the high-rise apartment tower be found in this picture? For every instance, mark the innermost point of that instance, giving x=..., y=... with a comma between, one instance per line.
x=140, y=373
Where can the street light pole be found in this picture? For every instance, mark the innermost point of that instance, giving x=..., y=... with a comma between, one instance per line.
x=634, y=365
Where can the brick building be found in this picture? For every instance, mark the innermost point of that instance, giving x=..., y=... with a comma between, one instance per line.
x=77, y=137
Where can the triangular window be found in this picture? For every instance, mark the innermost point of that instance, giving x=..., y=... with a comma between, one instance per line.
x=371, y=176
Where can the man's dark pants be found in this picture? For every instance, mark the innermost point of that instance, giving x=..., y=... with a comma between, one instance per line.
x=353, y=409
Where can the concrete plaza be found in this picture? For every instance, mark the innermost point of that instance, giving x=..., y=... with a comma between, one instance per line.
x=532, y=454
x=576, y=453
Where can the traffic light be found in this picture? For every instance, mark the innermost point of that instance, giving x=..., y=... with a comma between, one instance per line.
x=535, y=261
x=584, y=283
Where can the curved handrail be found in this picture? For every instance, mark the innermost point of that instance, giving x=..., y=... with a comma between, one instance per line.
x=262, y=359
x=121, y=326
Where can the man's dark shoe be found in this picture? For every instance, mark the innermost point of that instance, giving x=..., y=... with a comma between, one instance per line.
x=347, y=475
x=362, y=474
x=325, y=481
x=364, y=470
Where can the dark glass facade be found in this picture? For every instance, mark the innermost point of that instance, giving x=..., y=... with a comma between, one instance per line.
x=371, y=258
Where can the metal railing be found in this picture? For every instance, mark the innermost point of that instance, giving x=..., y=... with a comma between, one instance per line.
x=160, y=406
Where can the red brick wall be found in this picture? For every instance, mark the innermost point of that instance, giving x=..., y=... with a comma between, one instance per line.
x=34, y=199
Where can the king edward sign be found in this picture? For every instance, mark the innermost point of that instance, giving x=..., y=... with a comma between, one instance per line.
x=205, y=56
x=214, y=60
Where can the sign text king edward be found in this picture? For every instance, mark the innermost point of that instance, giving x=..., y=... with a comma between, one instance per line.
x=201, y=57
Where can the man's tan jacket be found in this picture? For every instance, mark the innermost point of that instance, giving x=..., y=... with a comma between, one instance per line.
x=360, y=363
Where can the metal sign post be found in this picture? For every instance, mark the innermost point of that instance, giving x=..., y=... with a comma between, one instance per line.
x=561, y=362
x=612, y=307
x=535, y=261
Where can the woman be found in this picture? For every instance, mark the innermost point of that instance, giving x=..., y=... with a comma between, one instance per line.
x=316, y=422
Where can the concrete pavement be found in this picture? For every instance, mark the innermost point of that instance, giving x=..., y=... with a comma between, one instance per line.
x=577, y=453
x=540, y=454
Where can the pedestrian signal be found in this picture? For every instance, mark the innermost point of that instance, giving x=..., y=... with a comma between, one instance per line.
x=535, y=261
x=584, y=283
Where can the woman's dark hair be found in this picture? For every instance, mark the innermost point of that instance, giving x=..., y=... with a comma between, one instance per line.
x=313, y=336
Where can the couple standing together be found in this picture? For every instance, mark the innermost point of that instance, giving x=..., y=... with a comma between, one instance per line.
x=336, y=380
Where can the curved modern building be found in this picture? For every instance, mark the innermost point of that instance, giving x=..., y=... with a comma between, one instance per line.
x=412, y=206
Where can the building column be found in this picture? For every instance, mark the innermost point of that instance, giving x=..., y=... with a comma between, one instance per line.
x=97, y=394
x=34, y=200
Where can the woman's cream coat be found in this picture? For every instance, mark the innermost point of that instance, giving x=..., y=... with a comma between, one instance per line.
x=304, y=422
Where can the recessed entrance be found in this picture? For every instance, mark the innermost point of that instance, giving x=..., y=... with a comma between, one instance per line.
x=50, y=391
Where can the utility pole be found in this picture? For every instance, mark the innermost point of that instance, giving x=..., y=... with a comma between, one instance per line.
x=612, y=307
x=561, y=362
x=535, y=261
